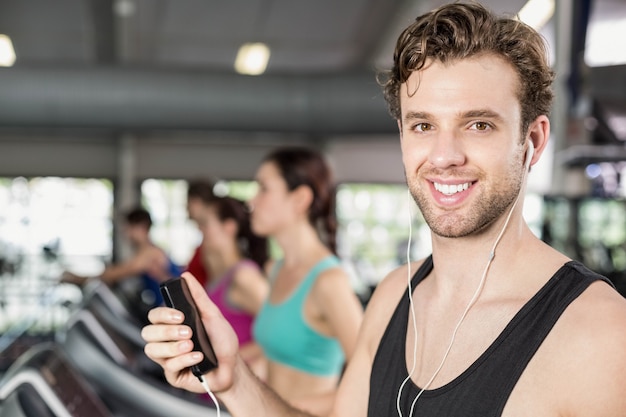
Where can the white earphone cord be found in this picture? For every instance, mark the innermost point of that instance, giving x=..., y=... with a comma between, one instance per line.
x=206, y=387
x=479, y=289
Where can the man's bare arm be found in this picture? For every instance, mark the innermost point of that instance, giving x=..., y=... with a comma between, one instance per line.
x=249, y=396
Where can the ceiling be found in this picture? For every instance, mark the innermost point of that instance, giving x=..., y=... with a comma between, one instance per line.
x=305, y=36
x=168, y=64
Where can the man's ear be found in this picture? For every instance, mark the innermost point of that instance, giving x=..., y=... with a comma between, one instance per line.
x=399, y=127
x=303, y=198
x=538, y=133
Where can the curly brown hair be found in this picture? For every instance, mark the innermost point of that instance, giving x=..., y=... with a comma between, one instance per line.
x=462, y=30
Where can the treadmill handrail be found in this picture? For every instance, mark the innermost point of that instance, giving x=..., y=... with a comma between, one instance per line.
x=35, y=379
x=123, y=384
x=98, y=332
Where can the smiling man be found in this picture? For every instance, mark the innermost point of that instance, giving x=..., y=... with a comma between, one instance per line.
x=462, y=142
x=494, y=322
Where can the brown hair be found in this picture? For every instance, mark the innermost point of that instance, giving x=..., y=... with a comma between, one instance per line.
x=138, y=216
x=200, y=188
x=463, y=30
x=251, y=245
x=305, y=166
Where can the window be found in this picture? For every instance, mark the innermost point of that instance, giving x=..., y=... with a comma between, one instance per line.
x=374, y=229
x=47, y=225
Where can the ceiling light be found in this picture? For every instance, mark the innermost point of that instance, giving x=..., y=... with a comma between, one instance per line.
x=252, y=58
x=124, y=8
x=7, y=54
x=536, y=13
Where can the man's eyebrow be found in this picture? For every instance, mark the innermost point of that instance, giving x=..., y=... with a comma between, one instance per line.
x=470, y=114
x=481, y=113
x=413, y=115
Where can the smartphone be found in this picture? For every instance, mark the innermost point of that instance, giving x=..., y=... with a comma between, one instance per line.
x=176, y=295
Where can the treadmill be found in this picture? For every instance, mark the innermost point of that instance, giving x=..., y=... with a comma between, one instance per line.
x=107, y=349
x=43, y=383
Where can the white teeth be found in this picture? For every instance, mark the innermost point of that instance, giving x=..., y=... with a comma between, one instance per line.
x=448, y=189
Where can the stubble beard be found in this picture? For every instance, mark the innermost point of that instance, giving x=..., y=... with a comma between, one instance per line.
x=493, y=203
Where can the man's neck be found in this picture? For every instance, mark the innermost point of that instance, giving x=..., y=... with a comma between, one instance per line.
x=460, y=263
x=141, y=244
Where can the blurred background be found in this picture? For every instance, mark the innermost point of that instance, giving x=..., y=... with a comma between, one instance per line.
x=107, y=103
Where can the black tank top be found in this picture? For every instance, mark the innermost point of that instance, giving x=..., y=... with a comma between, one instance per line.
x=483, y=389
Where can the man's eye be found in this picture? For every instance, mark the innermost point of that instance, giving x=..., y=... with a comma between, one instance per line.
x=481, y=126
x=423, y=127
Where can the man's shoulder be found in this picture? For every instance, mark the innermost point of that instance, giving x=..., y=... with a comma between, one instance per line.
x=154, y=253
x=384, y=301
x=589, y=351
x=583, y=355
x=599, y=310
x=395, y=282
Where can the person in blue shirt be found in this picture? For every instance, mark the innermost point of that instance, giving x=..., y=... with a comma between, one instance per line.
x=149, y=262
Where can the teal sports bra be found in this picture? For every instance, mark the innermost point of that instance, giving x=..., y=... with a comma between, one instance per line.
x=286, y=338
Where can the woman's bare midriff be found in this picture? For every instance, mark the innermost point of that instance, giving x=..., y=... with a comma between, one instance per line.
x=292, y=384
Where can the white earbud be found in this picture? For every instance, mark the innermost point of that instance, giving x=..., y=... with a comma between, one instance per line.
x=529, y=155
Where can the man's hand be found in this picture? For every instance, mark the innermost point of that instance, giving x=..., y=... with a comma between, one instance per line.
x=169, y=344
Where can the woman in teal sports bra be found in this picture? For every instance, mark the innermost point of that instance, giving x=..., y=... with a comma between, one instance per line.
x=308, y=326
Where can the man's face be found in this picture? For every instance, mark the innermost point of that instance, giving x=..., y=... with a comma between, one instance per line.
x=136, y=233
x=461, y=145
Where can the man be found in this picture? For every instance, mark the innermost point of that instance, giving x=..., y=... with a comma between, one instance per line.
x=497, y=322
x=149, y=263
x=199, y=192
